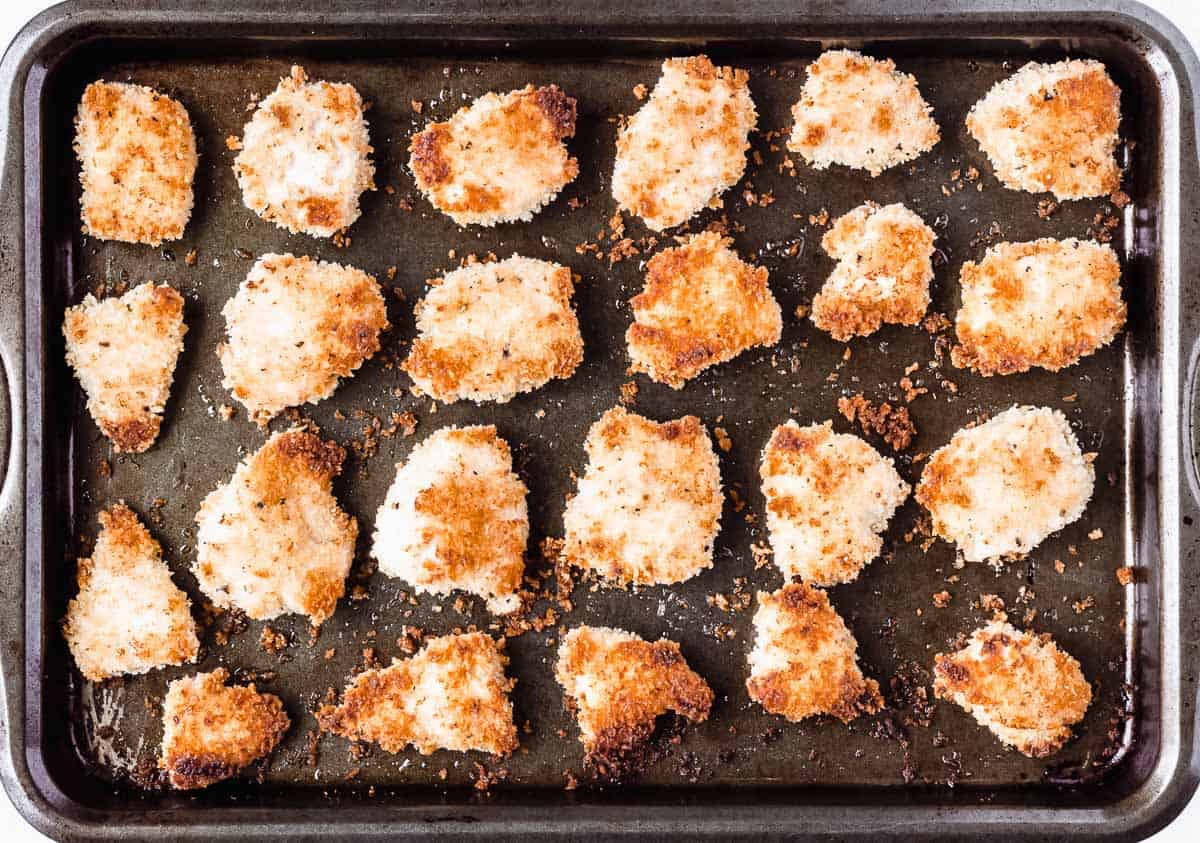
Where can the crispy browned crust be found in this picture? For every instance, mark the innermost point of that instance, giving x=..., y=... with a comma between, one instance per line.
x=427, y=163
x=558, y=108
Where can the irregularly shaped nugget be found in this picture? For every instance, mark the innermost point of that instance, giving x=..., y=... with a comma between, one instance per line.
x=452, y=695
x=455, y=518
x=862, y=113
x=129, y=616
x=805, y=660
x=619, y=685
x=489, y=331
x=305, y=156
x=999, y=489
x=687, y=145
x=1021, y=686
x=137, y=157
x=829, y=497
x=211, y=731
x=702, y=305
x=273, y=539
x=297, y=325
x=884, y=268
x=1052, y=127
x=649, y=504
x=123, y=351
x=1047, y=303
x=500, y=159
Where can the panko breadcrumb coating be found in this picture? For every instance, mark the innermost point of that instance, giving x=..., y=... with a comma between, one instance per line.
x=862, y=113
x=1021, y=686
x=999, y=489
x=455, y=518
x=305, y=156
x=129, y=616
x=451, y=695
x=649, y=503
x=829, y=497
x=1047, y=303
x=490, y=331
x=687, y=144
x=1052, y=127
x=212, y=731
x=137, y=158
x=805, y=660
x=273, y=539
x=124, y=351
x=500, y=159
x=885, y=264
x=702, y=305
x=296, y=326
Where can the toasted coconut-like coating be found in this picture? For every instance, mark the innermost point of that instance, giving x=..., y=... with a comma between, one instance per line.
x=123, y=351
x=500, y=159
x=862, y=113
x=999, y=489
x=702, y=305
x=1052, y=127
x=1047, y=303
x=273, y=540
x=490, y=331
x=649, y=503
x=687, y=145
x=1021, y=686
x=451, y=695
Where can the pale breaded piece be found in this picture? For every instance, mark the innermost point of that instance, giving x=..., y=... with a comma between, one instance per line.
x=999, y=489
x=1021, y=686
x=129, y=616
x=648, y=506
x=273, y=539
x=687, y=145
x=451, y=695
x=305, y=156
x=124, y=351
x=295, y=326
x=805, y=660
x=500, y=159
x=212, y=731
x=885, y=264
x=702, y=305
x=137, y=157
x=455, y=518
x=829, y=497
x=860, y=112
x=1046, y=303
x=1052, y=127
x=490, y=331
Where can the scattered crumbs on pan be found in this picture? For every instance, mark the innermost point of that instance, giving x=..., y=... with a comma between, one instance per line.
x=1125, y=575
x=272, y=641
x=639, y=91
x=941, y=599
x=629, y=393
x=1046, y=208
x=1059, y=566
x=1096, y=534
x=723, y=440
x=892, y=424
x=1083, y=605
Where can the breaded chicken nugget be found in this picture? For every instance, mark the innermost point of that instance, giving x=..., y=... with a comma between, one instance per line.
x=702, y=305
x=1021, y=686
x=649, y=503
x=295, y=326
x=500, y=159
x=1052, y=127
x=999, y=489
x=137, y=159
x=1047, y=303
x=862, y=113
x=305, y=156
x=687, y=145
x=123, y=351
x=129, y=616
x=490, y=331
x=885, y=264
x=211, y=731
x=452, y=695
x=273, y=540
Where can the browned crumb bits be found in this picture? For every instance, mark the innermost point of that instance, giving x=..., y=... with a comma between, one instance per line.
x=272, y=641
x=893, y=424
x=1125, y=575
x=941, y=599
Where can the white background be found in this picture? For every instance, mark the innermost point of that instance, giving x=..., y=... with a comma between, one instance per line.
x=1184, y=13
